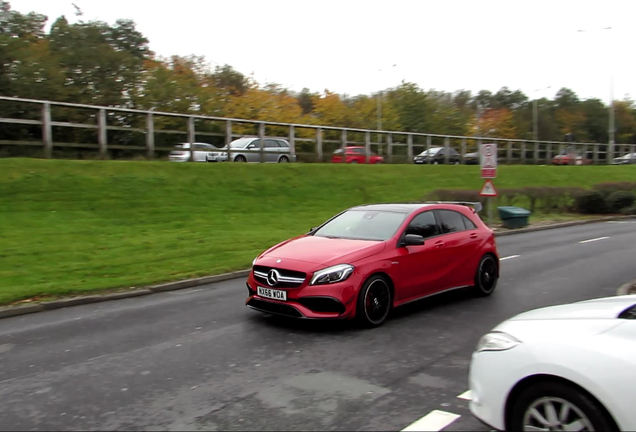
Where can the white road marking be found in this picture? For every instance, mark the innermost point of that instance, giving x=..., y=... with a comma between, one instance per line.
x=436, y=420
x=467, y=395
x=509, y=257
x=593, y=240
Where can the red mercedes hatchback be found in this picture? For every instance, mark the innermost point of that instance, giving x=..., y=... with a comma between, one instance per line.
x=355, y=155
x=369, y=259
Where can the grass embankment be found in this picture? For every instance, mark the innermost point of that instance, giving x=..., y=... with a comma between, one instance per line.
x=69, y=227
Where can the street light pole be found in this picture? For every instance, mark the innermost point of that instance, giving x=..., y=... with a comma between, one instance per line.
x=379, y=102
x=535, y=115
x=612, y=126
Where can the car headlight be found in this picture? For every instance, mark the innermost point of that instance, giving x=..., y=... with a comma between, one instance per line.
x=337, y=273
x=497, y=341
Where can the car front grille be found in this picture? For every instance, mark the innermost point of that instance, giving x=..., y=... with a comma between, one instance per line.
x=286, y=278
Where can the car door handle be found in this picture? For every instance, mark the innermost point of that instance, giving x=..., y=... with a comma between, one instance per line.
x=473, y=236
x=439, y=244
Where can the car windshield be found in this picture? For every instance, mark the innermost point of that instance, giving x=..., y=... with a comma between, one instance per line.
x=430, y=152
x=240, y=143
x=363, y=225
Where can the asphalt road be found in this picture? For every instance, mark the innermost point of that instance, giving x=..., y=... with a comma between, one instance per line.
x=198, y=359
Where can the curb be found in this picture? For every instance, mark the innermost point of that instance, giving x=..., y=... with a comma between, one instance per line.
x=624, y=289
x=11, y=311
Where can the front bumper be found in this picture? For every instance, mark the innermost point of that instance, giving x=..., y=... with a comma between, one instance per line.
x=334, y=301
x=492, y=375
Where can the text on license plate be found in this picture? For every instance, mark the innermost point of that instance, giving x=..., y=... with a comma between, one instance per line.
x=272, y=293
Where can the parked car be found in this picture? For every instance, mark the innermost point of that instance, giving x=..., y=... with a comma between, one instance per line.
x=248, y=150
x=369, y=259
x=181, y=153
x=355, y=155
x=629, y=158
x=472, y=158
x=569, y=157
x=560, y=368
x=437, y=155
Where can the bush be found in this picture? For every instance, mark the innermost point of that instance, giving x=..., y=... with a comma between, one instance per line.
x=619, y=200
x=589, y=202
x=608, y=188
x=629, y=210
x=464, y=195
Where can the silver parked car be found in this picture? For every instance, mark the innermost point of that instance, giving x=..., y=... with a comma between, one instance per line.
x=181, y=153
x=248, y=150
x=629, y=158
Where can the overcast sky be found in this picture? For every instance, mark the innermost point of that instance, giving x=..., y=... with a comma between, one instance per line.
x=342, y=45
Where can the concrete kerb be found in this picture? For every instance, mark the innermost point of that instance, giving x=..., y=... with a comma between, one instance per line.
x=11, y=311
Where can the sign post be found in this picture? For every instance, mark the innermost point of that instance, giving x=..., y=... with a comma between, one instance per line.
x=488, y=158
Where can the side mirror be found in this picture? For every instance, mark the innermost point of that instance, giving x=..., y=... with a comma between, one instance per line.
x=251, y=146
x=413, y=240
x=312, y=230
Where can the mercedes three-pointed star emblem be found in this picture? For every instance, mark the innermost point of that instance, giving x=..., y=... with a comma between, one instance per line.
x=272, y=277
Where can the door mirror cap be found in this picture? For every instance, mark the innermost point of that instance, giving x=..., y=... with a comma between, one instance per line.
x=413, y=240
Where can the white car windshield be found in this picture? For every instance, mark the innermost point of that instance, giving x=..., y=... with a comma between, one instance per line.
x=363, y=225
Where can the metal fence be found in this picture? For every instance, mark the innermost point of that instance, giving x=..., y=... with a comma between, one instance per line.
x=107, y=132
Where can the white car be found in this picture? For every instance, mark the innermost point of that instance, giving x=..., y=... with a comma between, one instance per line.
x=181, y=153
x=561, y=368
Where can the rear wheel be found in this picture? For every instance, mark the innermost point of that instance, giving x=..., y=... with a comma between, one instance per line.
x=555, y=406
x=374, y=302
x=240, y=158
x=435, y=163
x=486, y=276
x=283, y=159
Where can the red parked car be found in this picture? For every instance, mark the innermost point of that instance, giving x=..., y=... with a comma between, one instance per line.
x=355, y=154
x=369, y=259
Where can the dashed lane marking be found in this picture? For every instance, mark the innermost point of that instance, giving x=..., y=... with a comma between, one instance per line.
x=509, y=257
x=467, y=395
x=593, y=240
x=436, y=420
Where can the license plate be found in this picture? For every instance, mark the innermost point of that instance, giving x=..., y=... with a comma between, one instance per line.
x=272, y=293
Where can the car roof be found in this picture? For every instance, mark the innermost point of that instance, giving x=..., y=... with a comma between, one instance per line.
x=403, y=207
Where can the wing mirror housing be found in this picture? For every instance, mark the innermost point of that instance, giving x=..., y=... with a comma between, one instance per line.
x=413, y=240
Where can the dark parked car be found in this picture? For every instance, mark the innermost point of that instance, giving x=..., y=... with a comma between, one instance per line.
x=437, y=155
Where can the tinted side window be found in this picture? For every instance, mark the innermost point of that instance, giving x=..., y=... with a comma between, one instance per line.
x=469, y=224
x=451, y=221
x=283, y=144
x=358, y=151
x=255, y=144
x=424, y=224
x=271, y=144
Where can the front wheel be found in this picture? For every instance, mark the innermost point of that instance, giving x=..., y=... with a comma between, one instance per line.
x=283, y=159
x=554, y=406
x=240, y=158
x=374, y=302
x=486, y=276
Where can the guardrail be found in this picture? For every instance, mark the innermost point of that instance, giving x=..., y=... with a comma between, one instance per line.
x=36, y=123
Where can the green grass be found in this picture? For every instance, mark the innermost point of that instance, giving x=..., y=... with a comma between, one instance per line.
x=69, y=227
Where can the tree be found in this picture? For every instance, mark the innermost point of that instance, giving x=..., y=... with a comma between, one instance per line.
x=495, y=123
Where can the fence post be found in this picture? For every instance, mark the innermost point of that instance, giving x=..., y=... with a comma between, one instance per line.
x=47, y=133
x=319, y=145
x=228, y=139
x=548, y=157
x=536, y=152
x=343, y=142
x=367, y=146
x=191, y=137
x=292, y=142
x=523, y=153
x=596, y=154
x=102, y=133
x=409, y=144
x=429, y=140
x=447, y=147
x=463, y=155
x=509, y=152
x=389, y=143
x=261, y=136
x=150, y=136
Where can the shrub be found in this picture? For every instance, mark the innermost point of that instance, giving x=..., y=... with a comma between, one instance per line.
x=608, y=188
x=465, y=195
x=631, y=210
x=589, y=202
x=619, y=200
